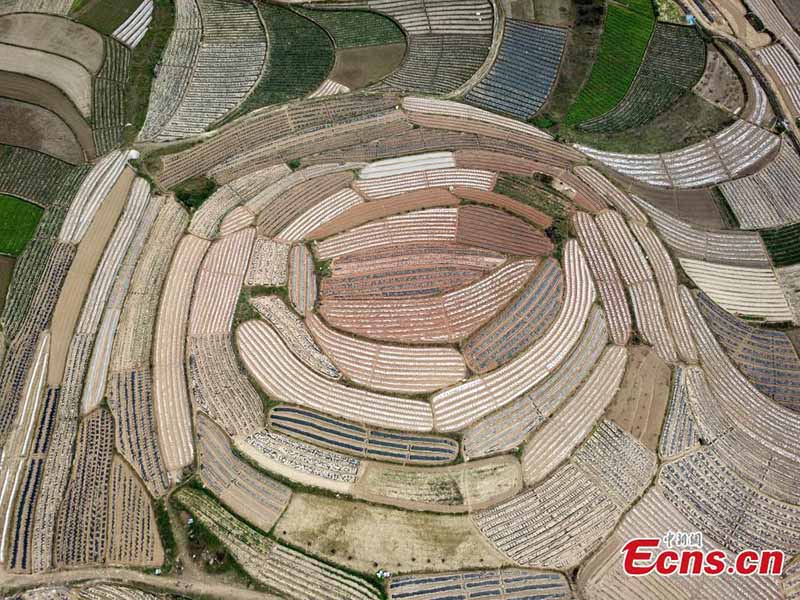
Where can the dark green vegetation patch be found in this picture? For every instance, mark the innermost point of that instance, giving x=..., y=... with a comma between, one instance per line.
x=783, y=244
x=356, y=28
x=144, y=59
x=674, y=63
x=300, y=55
x=193, y=192
x=104, y=15
x=18, y=221
x=625, y=38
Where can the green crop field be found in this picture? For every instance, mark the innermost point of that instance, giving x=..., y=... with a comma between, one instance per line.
x=18, y=221
x=300, y=57
x=356, y=28
x=102, y=15
x=625, y=38
x=783, y=244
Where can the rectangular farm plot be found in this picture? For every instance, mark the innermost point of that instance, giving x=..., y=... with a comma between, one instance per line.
x=362, y=213
x=502, y=584
x=408, y=164
x=299, y=461
x=433, y=224
x=302, y=280
x=741, y=290
x=516, y=207
x=524, y=71
x=460, y=488
x=361, y=441
x=392, y=185
x=268, y=265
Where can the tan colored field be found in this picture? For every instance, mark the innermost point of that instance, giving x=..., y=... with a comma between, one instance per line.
x=90, y=250
x=67, y=75
x=358, y=67
x=553, y=12
x=459, y=488
x=720, y=84
x=31, y=126
x=641, y=401
x=55, y=35
x=365, y=538
x=734, y=11
x=6, y=269
x=38, y=92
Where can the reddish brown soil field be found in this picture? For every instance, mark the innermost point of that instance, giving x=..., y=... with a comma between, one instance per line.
x=492, y=229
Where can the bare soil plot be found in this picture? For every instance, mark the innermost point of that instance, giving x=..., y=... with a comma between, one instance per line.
x=41, y=93
x=560, y=13
x=67, y=75
x=720, y=84
x=364, y=537
x=6, y=269
x=358, y=67
x=734, y=12
x=55, y=35
x=696, y=206
x=790, y=10
x=522, y=9
x=77, y=282
x=31, y=126
x=641, y=401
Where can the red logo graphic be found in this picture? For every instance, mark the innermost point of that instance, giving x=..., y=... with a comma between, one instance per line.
x=643, y=556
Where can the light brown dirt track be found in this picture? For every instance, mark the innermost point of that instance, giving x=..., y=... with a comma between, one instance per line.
x=90, y=250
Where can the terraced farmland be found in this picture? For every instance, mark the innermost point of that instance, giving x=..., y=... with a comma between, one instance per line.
x=674, y=62
x=406, y=347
